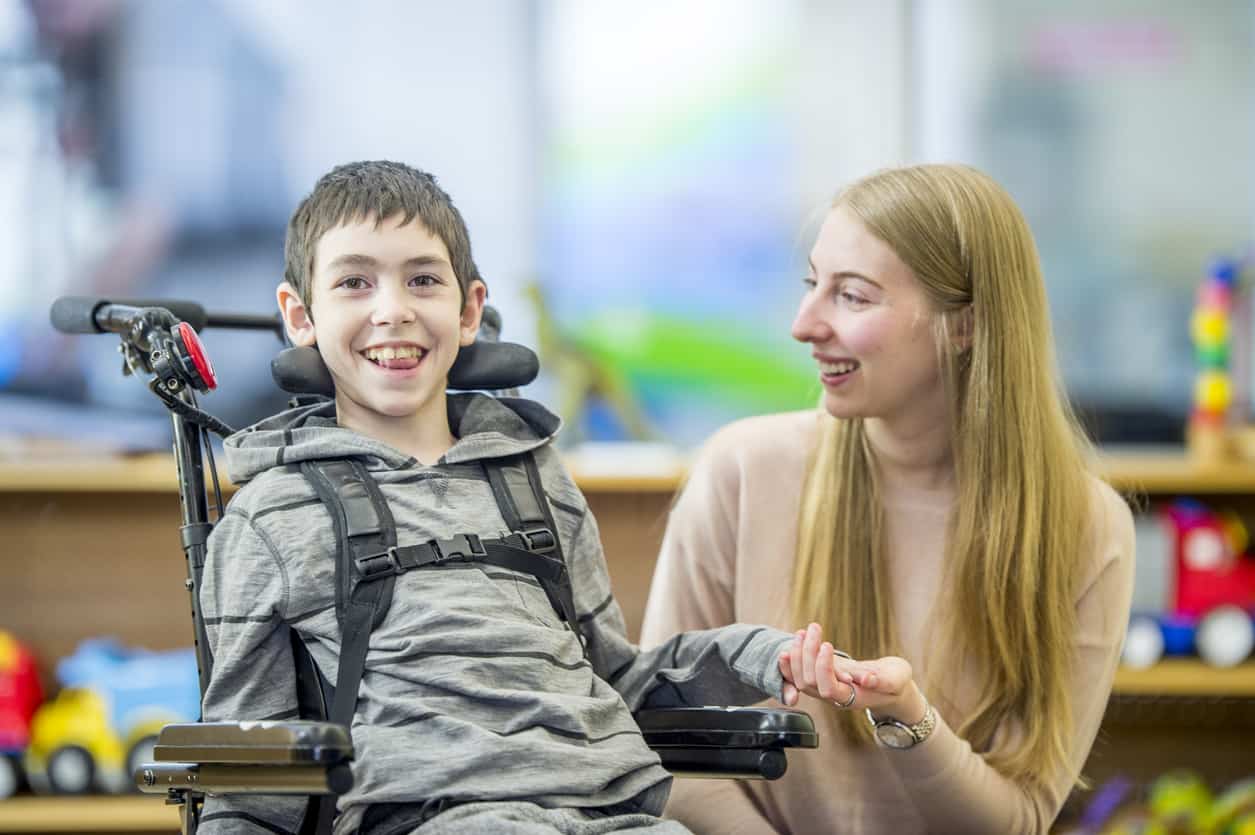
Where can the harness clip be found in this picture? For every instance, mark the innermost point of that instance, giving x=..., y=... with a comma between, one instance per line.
x=539, y=540
x=461, y=547
x=374, y=566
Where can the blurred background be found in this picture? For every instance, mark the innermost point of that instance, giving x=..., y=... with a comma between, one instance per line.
x=641, y=186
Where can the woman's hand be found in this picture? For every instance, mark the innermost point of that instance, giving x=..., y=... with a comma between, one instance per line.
x=885, y=685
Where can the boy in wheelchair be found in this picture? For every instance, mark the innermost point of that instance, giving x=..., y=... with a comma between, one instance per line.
x=484, y=668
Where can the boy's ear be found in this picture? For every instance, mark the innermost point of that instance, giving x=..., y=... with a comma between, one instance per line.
x=473, y=311
x=296, y=317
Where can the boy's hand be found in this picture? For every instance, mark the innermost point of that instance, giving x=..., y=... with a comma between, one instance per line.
x=885, y=685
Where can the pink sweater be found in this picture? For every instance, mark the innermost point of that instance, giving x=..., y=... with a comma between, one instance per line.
x=728, y=557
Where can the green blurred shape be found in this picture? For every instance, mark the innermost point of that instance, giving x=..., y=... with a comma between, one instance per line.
x=1213, y=356
x=710, y=358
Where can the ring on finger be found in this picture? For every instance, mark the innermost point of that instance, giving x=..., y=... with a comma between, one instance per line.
x=853, y=692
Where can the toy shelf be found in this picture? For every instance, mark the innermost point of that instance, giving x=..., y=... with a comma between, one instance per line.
x=1187, y=677
x=1155, y=470
x=151, y=473
x=155, y=473
x=88, y=814
x=1168, y=470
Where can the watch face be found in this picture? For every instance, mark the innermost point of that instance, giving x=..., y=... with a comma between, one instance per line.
x=895, y=735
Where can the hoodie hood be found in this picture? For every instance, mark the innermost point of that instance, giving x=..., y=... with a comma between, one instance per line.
x=485, y=426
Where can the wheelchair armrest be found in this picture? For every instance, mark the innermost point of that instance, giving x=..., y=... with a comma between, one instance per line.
x=295, y=757
x=735, y=742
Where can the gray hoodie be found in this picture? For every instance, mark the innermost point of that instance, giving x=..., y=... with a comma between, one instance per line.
x=474, y=689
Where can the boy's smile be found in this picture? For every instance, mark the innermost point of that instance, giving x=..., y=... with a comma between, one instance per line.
x=387, y=315
x=395, y=357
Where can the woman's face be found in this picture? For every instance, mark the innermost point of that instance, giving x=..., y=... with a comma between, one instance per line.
x=870, y=326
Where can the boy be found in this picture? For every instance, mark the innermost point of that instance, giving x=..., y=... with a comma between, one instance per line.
x=479, y=709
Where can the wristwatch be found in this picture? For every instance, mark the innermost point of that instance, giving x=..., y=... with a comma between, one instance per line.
x=898, y=735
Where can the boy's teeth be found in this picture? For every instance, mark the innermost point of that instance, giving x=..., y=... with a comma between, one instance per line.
x=391, y=353
x=838, y=367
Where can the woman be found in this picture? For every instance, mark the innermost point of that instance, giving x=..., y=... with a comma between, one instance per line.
x=938, y=514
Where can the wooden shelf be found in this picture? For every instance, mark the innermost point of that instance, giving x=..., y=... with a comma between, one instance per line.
x=156, y=474
x=64, y=474
x=1169, y=470
x=88, y=814
x=1187, y=677
x=661, y=483
x=1148, y=470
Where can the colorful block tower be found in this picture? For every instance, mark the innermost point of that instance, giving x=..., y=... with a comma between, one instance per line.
x=1212, y=329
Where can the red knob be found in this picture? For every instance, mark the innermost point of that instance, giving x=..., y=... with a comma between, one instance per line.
x=196, y=353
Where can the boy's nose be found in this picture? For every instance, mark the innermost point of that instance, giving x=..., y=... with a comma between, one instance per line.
x=393, y=307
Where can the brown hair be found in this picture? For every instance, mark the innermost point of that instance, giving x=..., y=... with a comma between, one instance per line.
x=374, y=189
x=1023, y=503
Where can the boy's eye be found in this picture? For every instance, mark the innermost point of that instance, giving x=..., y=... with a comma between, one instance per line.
x=424, y=280
x=353, y=282
x=809, y=282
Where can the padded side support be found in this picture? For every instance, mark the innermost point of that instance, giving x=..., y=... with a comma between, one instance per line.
x=480, y=366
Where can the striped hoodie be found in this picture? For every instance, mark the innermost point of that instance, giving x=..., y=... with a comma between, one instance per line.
x=474, y=689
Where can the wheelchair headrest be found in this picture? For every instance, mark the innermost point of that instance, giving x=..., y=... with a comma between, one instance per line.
x=480, y=366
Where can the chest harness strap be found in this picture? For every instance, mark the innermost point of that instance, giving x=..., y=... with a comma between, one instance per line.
x=368, y=558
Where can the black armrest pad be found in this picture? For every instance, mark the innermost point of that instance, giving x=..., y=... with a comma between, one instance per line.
x=254, y=743
x=727, y=727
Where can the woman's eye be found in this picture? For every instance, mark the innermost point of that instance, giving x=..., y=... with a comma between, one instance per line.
x=853, y=299
x=809, y=283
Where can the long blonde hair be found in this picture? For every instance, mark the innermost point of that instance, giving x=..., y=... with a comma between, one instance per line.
x=1023, y=496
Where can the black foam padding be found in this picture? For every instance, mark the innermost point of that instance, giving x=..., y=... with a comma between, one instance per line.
x=480, y=366
x=302, y=371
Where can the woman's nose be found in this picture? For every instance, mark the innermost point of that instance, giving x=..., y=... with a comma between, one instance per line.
x=809, y=324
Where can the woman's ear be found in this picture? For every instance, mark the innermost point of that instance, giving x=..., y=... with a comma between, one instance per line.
x=296, y=316
x=962, y=327
x=472, y=311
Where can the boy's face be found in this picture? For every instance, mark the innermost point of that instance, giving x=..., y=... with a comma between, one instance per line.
x=387, y=316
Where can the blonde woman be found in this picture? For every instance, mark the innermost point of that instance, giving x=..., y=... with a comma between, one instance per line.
x=938, y=514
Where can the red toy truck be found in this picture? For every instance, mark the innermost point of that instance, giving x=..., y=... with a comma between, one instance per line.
x=20, y=694
x=1211, y=598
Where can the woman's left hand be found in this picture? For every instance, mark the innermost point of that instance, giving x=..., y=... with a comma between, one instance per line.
x=885, y=685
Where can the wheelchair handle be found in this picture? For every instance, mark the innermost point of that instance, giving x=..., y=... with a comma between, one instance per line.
x=83, y=314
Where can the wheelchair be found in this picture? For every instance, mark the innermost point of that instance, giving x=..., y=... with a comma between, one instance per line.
x=311, y=756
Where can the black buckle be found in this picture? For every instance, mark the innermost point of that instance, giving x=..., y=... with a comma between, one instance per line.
x=463, y=546
x=539, y=540
x=374, y=566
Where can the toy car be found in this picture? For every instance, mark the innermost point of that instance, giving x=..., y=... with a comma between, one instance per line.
x=103, y=723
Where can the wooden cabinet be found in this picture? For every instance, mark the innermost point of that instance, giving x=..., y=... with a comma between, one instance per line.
x=91, y=548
